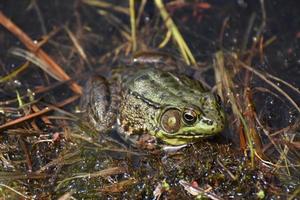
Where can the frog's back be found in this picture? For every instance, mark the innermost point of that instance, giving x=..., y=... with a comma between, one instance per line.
x=163, y=88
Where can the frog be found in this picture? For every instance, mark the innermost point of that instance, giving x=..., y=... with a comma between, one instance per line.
x=150, y=106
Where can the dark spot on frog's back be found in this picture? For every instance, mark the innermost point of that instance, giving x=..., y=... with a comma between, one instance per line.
x=126, y=127
x=137, y=106
x=180, y=93
x=142, y=78
x=107, y=98
x=163, y=96
x=137, y=131
x=164, y=75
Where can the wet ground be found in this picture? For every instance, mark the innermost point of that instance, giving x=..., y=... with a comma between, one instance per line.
x=49, y=157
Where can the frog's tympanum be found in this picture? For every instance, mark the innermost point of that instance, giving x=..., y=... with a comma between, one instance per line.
x=149, y=105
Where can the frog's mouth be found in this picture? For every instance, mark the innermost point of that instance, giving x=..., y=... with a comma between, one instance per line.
x=183, y=137
x=188, y=135
x=180, y=139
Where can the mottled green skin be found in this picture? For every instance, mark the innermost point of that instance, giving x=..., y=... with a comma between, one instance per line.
x=137, y=100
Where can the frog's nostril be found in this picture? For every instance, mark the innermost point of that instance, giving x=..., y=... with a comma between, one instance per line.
x=207, y=121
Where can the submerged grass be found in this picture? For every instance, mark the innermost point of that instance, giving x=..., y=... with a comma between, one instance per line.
x=14, y=73
x=172, y=28
x=226, y=90
x=107, y=5
x=15, y=191
x=133, y=24
x=40, y=54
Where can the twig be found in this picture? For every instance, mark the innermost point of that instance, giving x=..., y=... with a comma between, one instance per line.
x=59, y=161
x=260, y=75
x=183, y=47
x=15, y=72
x=103, y=173
x=223, y=77
x=35, y=6
x=232, y=176
x=247, y=32
x=27, y=41
x=27, y=154
x=133, y=24
x=77, y=46
x=41, y=112
x=11, y=176
x=103, y=4
x=17, y=192
x=116, y=22
x=197, y=191
x=101, y=147
x=141, y=11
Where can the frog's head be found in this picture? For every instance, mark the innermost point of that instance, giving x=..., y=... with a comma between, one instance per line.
x=181, y=124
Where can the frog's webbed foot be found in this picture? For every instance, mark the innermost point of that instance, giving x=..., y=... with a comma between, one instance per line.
x=141, y=141
x=172, y=149
x=99, y=104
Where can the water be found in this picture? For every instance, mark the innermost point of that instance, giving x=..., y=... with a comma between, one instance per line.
x=207, y=28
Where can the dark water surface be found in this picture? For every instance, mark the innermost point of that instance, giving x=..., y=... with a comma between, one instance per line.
x=216, y=166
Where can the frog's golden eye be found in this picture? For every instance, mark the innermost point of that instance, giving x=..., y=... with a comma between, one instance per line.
x=189, y=117
x=171, y=120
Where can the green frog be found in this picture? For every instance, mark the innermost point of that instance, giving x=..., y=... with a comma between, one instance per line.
x=149, y=106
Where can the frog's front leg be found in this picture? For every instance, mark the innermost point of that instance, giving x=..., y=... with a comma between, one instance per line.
x=99, y=104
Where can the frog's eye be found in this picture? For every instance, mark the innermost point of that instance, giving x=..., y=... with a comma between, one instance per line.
x=170, y=120
x=189, y=117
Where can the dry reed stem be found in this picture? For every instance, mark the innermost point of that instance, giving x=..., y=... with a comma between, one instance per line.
x=34, y=48
x=41, y=112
